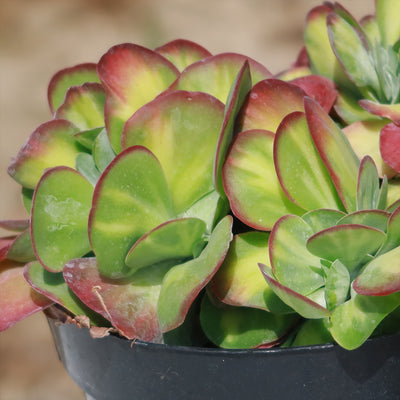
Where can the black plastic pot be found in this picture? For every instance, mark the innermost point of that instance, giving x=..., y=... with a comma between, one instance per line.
x=112, y=368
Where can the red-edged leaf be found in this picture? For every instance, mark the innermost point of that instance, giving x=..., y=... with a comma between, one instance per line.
x=132, y=76
x=391, y=111
x=15, y=225
x=268, y=103
x=183, y=52
x=5, y=245
x=17, y=299
x=389, y=144
x=64, y=79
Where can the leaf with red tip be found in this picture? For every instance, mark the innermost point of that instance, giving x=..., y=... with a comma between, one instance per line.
x=389, y=143
x=349, y=243
x=131, y=198
x=293, y=265
x=53, y=286
x=301, y=304
x=183, y=282
x=216, y=74
x=319, y=88
x=132, y=76
x=183, y=52
x=232, y=327
x=83, y=106
x=131, y=307
x=5, y=244
x=390, y=111
x=182, y=130
x=354, y=321
x=50, y=145
x=173, y=241
x=335, y=151
x=64, y=79
x=251, y=183
x=239, y=90
x=364, y=139
x=16, y=225
x=17, y=299
x=60, y=214
x=381, y=276
x=268, y=103
x=239, y=282
x=303, y=175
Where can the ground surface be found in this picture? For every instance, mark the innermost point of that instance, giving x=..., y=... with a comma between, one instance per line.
x=38, y=37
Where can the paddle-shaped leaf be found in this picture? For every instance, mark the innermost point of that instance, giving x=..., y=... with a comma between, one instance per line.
x=242, y=327
x=335, y=151
x=239, y=282
x=306, y=307
x=184, y=282
x=132, y=76
x=251, y=183
x=337, y=285
x=374, y=218
x=21, y=249
x=131, y=198
x=349, y=243
x=393, y=232
x=131, y=308
x=389, y=25
x=368, y=185
x=322, y=219
x=53, y=286
x=103, y=153
x=390, y=111
x=50, y=145
x=60, y=214
x=17, y=299
x=293, y=265
x=83, y=106
x=182, y=53
x=216, y=74
x=174, y=241
x=381, y=276
x=313, y=331
x=268, y=103
x=354, y=321
x=182, y=130
x=303, y=176
x=64, y=79
x=389, y=143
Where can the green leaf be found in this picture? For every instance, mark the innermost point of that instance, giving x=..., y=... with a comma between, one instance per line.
x=313, y=331
x=60, y=213
x=387, y=12
x=174, y=240
x=131, y=198
x=87, y=138
x=322, y=219
x=368, y=185
x=337, y=285
x=374, y=218
x=85, y=165
x=184, y=282
x=103, y=153
x=21, y=249
x=393, y=232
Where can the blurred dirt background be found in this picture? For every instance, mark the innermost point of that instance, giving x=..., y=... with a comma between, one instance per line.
x=39, y=37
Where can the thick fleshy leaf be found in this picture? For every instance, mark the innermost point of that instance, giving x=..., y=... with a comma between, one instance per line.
x=87, y=138
x=50, y=145
x=389, y=143
x=17, y=299
x=242, y=327
x=131, y=198
x=21, y=249
x=303, y=175
x=364, y=139
x=132, y=76
x=350, y=49
x=306, y=307
x=368, y=185
x=239, y=282
x=335, y=151
x=251, y=183
x=131, y=307
x=174, y=240
x=322, y=219
x=15, y=225
x=86, y=166
x=313, y=331
x=294, y=73
x=64, y=79
x=182, y=130
x=184, y=282
x=337, y=285
x=293, y=265
x=103, y=153
x=239, y=90
x=374, y=218
x=5, y=244
x=393, y=232
x=387, y=12
x=381, y=276
x=319, y=88
x=215, y=75
x=53, y=286
x=83, y=106
x=390, y=111
x=268, y=103
x=60, y=213
x=354, y=321
x=182, y=53
x=349, y=243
